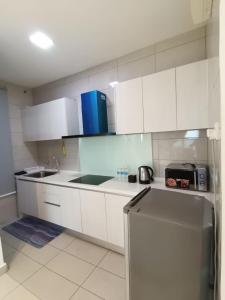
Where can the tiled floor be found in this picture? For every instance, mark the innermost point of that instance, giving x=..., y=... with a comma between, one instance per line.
x=67, y=268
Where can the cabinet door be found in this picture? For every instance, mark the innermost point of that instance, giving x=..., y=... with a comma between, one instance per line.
x=49, y=203
x=27, y=196
x=71, y=210
x=115, y=221
x=192, y=96
x=129, y=107
x=51, y=120
x=30, y=124
x=93, y=214
x=159, y=101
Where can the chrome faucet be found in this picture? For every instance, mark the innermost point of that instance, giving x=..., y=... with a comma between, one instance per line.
x=56, y=162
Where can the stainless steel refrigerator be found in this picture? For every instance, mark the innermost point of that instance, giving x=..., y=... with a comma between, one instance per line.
x=168, y=237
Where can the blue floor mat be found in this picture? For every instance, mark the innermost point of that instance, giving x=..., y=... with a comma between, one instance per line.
x=34, y=231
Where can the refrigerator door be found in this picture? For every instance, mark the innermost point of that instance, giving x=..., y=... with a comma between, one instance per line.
x=169, y=240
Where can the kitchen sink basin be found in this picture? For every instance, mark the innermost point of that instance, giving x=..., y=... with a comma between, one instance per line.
x=41, y=174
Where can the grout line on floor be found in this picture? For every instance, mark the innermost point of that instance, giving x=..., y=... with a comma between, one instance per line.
x=111, y=272
x=96, y=266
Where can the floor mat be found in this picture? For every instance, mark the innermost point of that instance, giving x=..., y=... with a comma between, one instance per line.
x=34, y=231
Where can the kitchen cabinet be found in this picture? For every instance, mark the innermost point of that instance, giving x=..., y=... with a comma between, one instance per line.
x=30, y=124
x=50, y=120
x=129, y=107
x=159, y=101
x=98, y=215
x=192, y=95
x=27, y=197
x=93, y=214
x=115, y=219
x=49, y=203
x=71, y=209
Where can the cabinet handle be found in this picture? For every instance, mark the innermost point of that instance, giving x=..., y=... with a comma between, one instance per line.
x=53, y=204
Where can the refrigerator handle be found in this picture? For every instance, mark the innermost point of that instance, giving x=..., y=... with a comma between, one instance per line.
x=136, y=199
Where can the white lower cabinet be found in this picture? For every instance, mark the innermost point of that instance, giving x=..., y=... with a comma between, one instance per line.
x=27, y=197
x=49, y=203
x=61, y=206
x=71, y=210
x=93, y=214
x=115, y=221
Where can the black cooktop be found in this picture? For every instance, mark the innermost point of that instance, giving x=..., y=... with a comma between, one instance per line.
x=91, y=179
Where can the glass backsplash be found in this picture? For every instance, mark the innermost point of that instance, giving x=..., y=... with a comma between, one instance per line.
x=104, y=155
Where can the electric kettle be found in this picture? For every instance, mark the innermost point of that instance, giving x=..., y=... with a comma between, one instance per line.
x=145, y=174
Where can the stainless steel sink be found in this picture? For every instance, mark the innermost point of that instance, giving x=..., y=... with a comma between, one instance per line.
x=41, y=174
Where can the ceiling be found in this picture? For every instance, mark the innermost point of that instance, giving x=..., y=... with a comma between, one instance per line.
x=85, y=32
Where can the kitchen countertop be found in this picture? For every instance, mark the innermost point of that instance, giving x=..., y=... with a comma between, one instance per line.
x=113, y=186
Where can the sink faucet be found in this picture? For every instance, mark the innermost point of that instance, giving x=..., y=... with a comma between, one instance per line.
x=56, y=163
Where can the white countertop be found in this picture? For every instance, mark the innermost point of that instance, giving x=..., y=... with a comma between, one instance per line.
x=113, y=186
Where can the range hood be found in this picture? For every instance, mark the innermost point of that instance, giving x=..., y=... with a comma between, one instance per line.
x=93, y=119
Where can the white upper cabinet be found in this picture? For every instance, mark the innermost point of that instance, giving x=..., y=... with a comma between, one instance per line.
x=50, y=120
x=192, y=95
x=159, y=101
x=129, y=107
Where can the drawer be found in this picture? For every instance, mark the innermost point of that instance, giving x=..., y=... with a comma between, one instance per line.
x=50, y=212
x=51, y=194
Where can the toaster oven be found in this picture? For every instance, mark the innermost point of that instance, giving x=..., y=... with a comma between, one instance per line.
x=187, y=176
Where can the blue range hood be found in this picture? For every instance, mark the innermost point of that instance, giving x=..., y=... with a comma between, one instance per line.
x=94, y=113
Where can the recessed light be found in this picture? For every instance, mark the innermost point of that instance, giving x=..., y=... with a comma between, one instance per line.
x=113, y=83
x=41, y=40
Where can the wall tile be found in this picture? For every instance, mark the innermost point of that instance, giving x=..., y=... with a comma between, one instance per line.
x=100, y=81
x=136, y=68
x=14, y=111
x=110, y=96
x=155, y=149
x=180, y=134
x=181, y=55
x=137, y=55
x=102, y=67
x=156, y=168
x=165, y=149
x=181, y=39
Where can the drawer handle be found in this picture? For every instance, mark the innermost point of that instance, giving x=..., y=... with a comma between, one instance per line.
x=53, y=204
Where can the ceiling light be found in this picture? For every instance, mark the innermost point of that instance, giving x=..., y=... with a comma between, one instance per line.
x=113, y=83
x=41, y=40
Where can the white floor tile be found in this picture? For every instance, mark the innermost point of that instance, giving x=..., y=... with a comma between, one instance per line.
x=70, y=267
x=47, y=285
x=86, y=251
x=62, y=241
x=115, y=263
x=7, y=284
x=106, y=285
x=21, y=267
x=41, y=255
x=20, y=293
x=82, y=294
